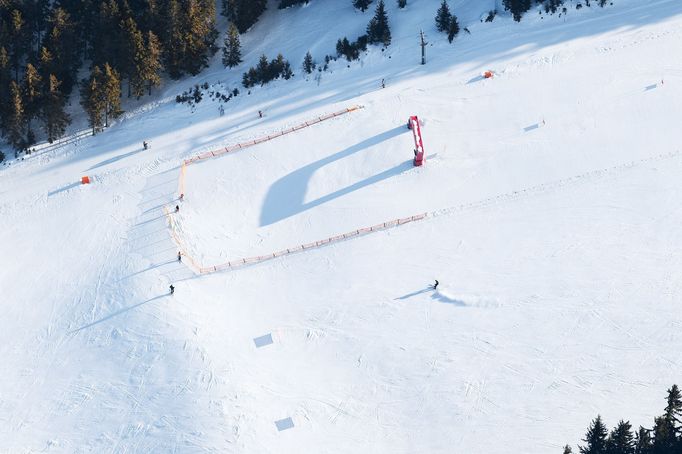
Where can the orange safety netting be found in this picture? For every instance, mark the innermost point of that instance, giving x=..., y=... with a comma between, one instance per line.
x=197, y=267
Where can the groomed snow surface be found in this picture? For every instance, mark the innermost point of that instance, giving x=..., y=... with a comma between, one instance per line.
x=556, y=204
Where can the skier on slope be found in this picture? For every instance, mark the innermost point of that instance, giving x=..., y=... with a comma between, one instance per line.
x=172, y=289
x=177, y=208
x=435, y=286
x=179, y=256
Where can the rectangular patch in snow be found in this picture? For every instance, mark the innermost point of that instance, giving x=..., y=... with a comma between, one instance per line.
x=263, y=340
x=284, y=424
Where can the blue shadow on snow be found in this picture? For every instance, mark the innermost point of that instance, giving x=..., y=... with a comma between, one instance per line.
x=285, y=197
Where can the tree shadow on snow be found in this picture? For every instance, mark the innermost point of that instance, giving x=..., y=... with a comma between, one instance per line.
x=285, y=197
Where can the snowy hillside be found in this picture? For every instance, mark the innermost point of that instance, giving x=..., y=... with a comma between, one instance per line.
x=553, y=202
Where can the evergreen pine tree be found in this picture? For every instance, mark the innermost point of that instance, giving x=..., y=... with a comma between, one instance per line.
x=232, y=52
x=262, y=70
x=308, y=63
x=244, y=13
x=132, y=61
x=62, y=43
x=15, y=119
x=568, y=450
x=402, y=3
x=664, y=439
x=199, y=35
x=108, y=39
x=551, y=6
x=643, y=443
x=378, y=30
x=287, y=3
x=45, y=67
x=111, y=93
x=32, y=94
x=5, y=77
x=92, y=100
x=673, y=408
x=517, y=7
x=621, y=440
x=55, y=119
x=453, y=28
x=443, y=17
x=151, y=66
x=173, y=39
x=17, y=40
x=287, y=72
x=595, y=438
x=362, y=5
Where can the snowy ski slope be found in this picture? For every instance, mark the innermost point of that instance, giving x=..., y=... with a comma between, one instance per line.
x=554, y=200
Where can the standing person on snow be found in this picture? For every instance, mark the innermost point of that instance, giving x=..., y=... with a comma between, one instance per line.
x=177, y=208
x=172, y=289
x=179, y=256
x=435, y=286
x=145, y=144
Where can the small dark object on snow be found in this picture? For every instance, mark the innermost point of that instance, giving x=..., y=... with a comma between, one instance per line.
x=260, y=114
x=145, y=145
x=383, y=83
x=435, y=286
x=177, y=208
x=172, y=289
x=179, y=257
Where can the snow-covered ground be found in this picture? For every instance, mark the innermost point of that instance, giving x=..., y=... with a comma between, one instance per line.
x=555, y=200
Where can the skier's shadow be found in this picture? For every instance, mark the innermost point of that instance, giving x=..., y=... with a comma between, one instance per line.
x=446, y=298
x=418, y=292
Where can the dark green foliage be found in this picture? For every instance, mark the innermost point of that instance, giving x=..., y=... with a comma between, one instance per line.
x=55, y=119
x=287, y=3
x=151, y=66
x=595, y=438
x=243, y=13
x=643, y=443
x=568, y=450
x=351, y=51
x=621, y=440
x=664, y=438
x=402, y=3
x=31, y=93
x=61, y=42
x=551, y=6
x=453, y=28
x=232, y=49
x=15, y=123
x=362, y=5
x=308, y=63
x=378, y=30
x=265, y=71
x=101, y=97
x=443, y=16
x=517, y=7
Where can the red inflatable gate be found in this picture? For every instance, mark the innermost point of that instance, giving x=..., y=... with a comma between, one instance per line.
x=419, y=156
